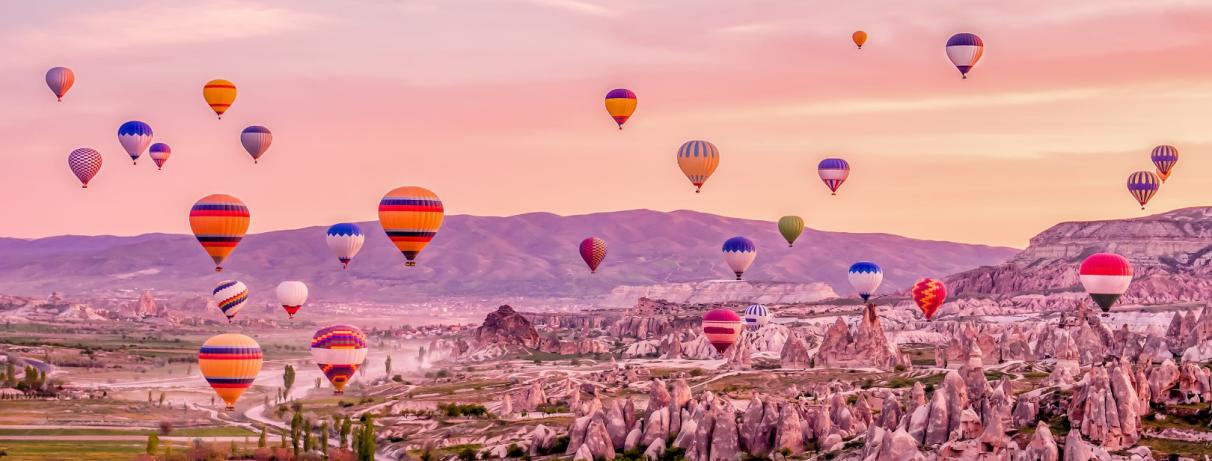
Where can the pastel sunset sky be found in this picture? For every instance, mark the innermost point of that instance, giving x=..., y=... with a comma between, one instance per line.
x=496, y=105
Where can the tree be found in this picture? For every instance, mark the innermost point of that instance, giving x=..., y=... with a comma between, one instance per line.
x=317, y=382
x=261, y=440
x=296, y=432
x=387, y=364
x=161, y=400
x=153, y=444
x=323, y=436
x=282, y=439
x=346, y=428
x=288, y=377
x=234, y=450
x=421, y=355
x=366, y=441
x=307, y=439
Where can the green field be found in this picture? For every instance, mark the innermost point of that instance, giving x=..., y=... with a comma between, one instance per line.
x=43, y=450
x=211, y=431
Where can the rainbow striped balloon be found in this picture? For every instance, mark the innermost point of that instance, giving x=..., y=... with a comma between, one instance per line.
x=219, y=222
x=230, y=296
x=256, y=140
x=339, y=350
x=1143, y=185
x=411, y=217
x=159, y=153
x=219, y=94
x=722, y=328
x=85, y=163
x=60, y=79
x=620, y=103
x=230, y=363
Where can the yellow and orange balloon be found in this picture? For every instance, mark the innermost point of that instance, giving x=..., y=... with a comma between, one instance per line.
x=620, y=103
x=411, y=217
x=219, y=94
x=219, y=222
x=230, y=363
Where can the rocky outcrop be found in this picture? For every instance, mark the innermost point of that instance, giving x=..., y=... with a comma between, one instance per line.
x=720, y=292
x=1105, y=407
x=795, y=353
x=505, y=327
x=866, y=346
x=1042, y=446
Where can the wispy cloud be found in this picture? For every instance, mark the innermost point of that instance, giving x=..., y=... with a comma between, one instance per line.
x=576, y=6
x=160, y=24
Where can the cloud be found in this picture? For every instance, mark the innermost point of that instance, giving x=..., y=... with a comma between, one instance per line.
x=576, y=6
x=159, y=24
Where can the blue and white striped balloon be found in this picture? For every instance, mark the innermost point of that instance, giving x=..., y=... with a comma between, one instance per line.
x=135, y=136
x=756, y=316
x=865, y=277
x=345, y=240
x=964, y=50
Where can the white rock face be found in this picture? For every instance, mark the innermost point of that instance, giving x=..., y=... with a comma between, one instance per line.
x=721, y=291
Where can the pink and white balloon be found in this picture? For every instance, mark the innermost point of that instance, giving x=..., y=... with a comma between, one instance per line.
x=256, y=140
x=85, y=163
x=60, y=79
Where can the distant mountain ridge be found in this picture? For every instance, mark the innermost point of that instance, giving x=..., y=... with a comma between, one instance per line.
x=532, y=255
x=1171, y=255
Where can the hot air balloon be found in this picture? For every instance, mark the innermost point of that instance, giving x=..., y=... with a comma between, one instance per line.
x=833, y=171
x=620, y=103
x=739, y=253
x=219, y=94
x=964, y=50
x=135, y=136
x=230, y=362
x=1164, y=157
x=1106, y=277
x=339, y=350
x=756, y=316
x=219, y=222
x=1143, y=185
x=159, y=153
x=410, y=216
x=929, y=294
x=291, y=294
x=865, y=277
x=859, y=38
x=85, y=163
x=345, y=240
x=722, y=327
x=256, y=140
x=230, y=296
x=60, y=79
x=791, y=227
x=698, y=160
x=593, y=251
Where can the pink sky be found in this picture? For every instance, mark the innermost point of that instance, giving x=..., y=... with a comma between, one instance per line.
x=497, y=107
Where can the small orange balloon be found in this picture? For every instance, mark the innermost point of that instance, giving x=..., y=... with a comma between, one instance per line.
x=859, y=38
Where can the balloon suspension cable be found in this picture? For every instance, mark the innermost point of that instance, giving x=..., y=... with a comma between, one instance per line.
x=218, y=269
x=84, y=186
x=738, y=275
x=410, y=264
x=134, y=162
x=790, y=245
x=59, y=99
x=620, y=127
x=965, y=76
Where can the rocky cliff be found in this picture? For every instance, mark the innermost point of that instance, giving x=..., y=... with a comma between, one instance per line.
x=1170, y=252
x=506, y=327
x=721, y=291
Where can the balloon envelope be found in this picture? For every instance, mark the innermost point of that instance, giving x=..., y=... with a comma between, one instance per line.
x=620, y=103
x=865, y=277
x=230, y=363
x=756, y=316
x=256, y=140
x=135, y=136
x=339, y=350
x=84, y=163
x=219, y=222
x=722, y=327
x=739, y=253
x=60, y=79
x=219, y=94
x=411, y=217
x=1106, y=277
x=1143, y=185
x=833, y=172
x=929, y=294
x=698, y=160
x=231, y=296
x=964, y=50
x=859, y=38
x=1164, y=157
x=159, y=153
x=345, y=241
x=593, y=251
x=291, y=294
x=791, y=227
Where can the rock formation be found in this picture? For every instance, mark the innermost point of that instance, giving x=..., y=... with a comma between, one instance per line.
x=505, y=327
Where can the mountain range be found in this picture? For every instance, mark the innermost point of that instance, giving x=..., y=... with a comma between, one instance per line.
x=528, y=255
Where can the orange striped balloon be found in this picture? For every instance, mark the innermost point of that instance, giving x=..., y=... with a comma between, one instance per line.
x=219, y=94
x=219, y=222
x=411, y=217
x=230, y=363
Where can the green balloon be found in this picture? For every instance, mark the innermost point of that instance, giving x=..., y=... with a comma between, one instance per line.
x=791, y=227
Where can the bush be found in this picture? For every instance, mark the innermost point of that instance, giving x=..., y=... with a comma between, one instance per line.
x=514, y=451
x=455, y=410
x=467, y=454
